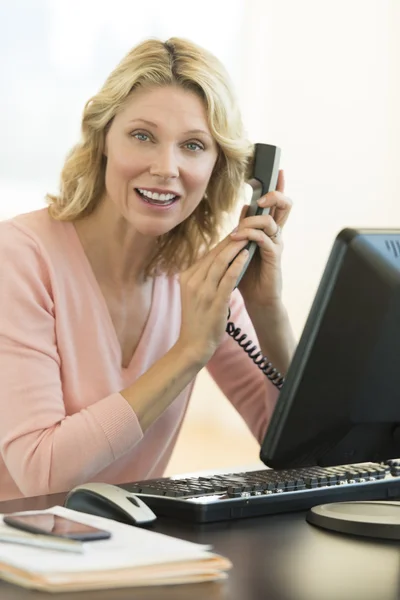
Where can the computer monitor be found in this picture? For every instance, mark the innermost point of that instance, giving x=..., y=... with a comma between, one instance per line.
x=340, y=402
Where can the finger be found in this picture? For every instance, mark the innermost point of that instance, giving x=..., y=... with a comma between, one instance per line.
x=224, y=261
x=266, y=222
x=265, y=239
x=280, y=184
x=280, y=187
x=243, y=212
x=228, y=281
x=275, y=199
x=201, y=266
x=280, y=206
x=281, y=215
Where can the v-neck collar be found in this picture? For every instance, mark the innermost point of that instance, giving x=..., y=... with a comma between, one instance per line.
x=150, y=322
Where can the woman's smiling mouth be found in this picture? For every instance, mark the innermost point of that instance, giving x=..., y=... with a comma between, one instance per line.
x=157, y=198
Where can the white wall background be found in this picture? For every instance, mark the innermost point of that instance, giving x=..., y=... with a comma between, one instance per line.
x=320, y=78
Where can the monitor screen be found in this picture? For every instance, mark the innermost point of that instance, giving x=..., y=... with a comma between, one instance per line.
x=340, y=402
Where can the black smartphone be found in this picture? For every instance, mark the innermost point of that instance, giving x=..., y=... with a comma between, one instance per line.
x=263, y=179
x=48, y=524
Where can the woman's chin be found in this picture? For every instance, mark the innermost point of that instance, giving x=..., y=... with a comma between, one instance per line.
x=151, y=226
x=152, y=229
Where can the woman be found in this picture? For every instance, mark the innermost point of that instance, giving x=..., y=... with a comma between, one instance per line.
x=115, y=296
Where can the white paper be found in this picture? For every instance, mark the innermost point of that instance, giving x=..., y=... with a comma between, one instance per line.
x=128, y=546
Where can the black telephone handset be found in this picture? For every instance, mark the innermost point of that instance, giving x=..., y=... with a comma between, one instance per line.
x=264, y=177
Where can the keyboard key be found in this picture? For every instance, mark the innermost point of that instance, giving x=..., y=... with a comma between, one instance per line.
x=173, y=494
x=331, y=479
x=300, y=484
x=311, y=482
x=234, y=489
x=233, y=494
x=322, y=480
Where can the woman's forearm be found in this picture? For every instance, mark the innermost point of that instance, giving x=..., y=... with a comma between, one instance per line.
x=156, y=389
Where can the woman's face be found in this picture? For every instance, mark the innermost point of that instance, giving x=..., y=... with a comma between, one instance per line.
x=160, y=156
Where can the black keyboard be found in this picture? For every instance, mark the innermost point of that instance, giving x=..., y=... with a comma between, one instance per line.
x=226, y=496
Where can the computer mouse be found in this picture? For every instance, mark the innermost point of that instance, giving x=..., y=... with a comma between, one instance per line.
x=109, y=501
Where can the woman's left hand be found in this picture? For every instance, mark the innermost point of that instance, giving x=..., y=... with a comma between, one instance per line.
x=261, y=286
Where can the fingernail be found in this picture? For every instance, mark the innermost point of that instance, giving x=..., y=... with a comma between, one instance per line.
x=234, y=232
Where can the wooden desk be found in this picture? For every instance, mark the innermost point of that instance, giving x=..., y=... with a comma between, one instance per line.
x=274, y=558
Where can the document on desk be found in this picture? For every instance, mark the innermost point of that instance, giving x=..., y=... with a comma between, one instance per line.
x=131, y=557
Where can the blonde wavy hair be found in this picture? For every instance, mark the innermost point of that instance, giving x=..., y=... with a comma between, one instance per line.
x=156, y=63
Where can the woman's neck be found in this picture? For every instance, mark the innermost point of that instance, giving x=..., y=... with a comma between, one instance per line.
x=118, y=255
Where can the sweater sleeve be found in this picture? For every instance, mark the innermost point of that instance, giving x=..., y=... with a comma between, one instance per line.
x=44, y=449
x=241, y=381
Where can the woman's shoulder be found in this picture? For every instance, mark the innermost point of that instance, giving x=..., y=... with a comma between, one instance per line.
x=24, y=270
x=34, y=247
x=30, y=231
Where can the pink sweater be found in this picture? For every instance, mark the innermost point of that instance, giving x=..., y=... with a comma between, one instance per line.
x=62, y=419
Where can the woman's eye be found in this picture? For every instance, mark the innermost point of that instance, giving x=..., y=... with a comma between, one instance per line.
x=142, y=137
x=194, y=146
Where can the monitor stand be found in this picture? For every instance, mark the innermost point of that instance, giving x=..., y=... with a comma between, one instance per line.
x=375, y=519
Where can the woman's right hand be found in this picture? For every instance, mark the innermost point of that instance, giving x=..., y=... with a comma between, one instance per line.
x=206, y=288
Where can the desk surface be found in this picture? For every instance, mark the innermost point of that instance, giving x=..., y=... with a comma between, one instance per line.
x=274, y=558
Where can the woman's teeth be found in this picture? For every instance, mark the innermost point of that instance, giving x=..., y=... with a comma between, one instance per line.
x=155, y=198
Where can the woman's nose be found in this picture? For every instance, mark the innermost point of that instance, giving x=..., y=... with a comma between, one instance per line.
x=165, y=163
